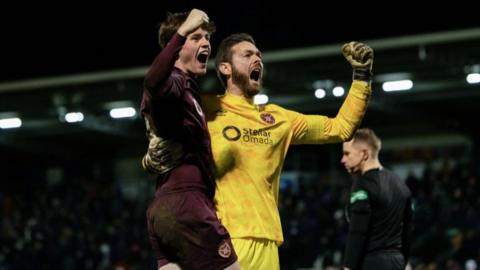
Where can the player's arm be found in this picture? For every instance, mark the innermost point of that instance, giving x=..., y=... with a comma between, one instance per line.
x=360, y=216
x=407, y=229
x=156, y=78
x=321, y=129
x=350, y=115
x=162, y=155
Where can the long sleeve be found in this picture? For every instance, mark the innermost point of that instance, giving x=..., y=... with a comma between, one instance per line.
x=159, y=83
x=318, y=129
x=350, y=115
x=157, y=76
x=357, y=234
x=407, y=230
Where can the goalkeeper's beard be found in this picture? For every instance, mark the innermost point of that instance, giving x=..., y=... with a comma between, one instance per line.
x=243, y=82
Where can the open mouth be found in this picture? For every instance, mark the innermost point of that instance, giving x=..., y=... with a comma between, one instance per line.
x=202, y=57
x=255, y=74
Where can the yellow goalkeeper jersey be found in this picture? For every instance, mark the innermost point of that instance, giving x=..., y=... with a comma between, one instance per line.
x=249, y=144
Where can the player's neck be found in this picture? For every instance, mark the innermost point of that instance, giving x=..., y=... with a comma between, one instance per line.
x=183, y=67
x=235, y=90
x=370, y=165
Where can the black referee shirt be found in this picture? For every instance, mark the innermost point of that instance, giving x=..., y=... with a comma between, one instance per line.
x=380, y=213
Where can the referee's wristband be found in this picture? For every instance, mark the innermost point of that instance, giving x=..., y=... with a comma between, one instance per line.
x=362, y=74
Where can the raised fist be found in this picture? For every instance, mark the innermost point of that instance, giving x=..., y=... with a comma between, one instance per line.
x=195, y=19
x=358, y=54
x=162, y=155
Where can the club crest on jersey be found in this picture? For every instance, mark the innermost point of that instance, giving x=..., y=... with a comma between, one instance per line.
x=224, y=249
x=267, y=118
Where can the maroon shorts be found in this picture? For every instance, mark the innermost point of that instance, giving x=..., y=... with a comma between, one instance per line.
x=184, y=229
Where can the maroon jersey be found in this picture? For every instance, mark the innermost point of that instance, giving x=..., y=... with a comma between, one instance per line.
x=182, y=224
x=171, y=100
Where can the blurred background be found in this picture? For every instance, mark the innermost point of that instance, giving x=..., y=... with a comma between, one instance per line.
x=72, y=192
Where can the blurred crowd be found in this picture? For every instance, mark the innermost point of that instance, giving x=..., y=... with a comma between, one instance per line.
x=77, y=224
x=86, y=222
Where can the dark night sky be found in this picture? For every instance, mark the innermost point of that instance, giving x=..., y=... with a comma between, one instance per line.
x=77, y=38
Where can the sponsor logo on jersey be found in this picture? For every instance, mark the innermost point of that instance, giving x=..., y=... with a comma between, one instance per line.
x=231, y=133
x=248, y=135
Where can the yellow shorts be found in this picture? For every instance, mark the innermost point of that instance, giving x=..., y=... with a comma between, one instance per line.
x=256, y=253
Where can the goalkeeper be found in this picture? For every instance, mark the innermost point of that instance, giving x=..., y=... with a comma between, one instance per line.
x=249, y=166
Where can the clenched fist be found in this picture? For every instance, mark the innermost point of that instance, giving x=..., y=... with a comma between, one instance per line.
x=360, y=57
x=195, y=19
x=162, y=155
x=358, y=54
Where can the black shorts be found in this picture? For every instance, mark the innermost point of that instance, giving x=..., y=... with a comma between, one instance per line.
x=384, y=261
x=183, y=228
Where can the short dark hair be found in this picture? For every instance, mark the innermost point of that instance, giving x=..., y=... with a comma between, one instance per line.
x=368, y=137
x=224, y=52
x=169, y=27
